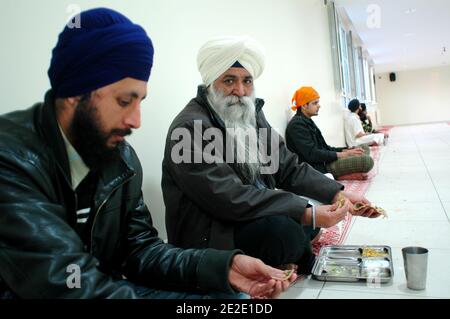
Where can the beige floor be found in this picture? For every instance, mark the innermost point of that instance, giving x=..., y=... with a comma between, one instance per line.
x=413, y=186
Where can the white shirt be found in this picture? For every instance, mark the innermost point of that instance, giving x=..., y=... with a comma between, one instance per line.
x=78, y=169
x=352, y=127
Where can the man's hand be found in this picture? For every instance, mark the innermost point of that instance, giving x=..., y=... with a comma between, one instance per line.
x=353, y=198
x=252, y=276
x=355, y=151
x=330, y=215
x=361, y=134
x=350, y=152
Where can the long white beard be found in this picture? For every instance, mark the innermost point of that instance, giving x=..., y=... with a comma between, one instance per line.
x=239, y=117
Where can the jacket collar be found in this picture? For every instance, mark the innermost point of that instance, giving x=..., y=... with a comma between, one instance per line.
x=202, y=100
x=300, y=113
x=113, y=173
x=48, y=128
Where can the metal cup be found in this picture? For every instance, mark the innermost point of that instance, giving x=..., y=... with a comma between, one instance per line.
x=415, y=260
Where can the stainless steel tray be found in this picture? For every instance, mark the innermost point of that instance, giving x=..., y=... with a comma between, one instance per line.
x=354, y=263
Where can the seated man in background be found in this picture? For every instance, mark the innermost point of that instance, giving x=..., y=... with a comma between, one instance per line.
x=304, y=138
x=73, y=220
x=221, y=187
x=366, y=122
x=354, y=132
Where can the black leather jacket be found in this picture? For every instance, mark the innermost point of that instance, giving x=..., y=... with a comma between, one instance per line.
x=38, y=244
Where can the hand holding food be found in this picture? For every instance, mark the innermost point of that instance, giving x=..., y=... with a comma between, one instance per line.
x=370, y=211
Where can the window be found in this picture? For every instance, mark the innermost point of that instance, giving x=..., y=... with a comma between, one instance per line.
x=367, y=81
x=351, y=64
x=345, y=67
x=359, y=78
x=372, y=84
x=335, y=55
x=355, y=75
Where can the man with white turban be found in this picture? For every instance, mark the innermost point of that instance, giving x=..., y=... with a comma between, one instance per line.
x=212, y=201
x=218, y=55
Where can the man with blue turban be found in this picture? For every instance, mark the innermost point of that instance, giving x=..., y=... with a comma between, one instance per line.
x=73, y=220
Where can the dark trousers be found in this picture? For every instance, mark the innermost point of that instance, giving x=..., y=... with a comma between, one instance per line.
x=276, y=240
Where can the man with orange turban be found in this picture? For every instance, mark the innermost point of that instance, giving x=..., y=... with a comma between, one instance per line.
x=304, y=138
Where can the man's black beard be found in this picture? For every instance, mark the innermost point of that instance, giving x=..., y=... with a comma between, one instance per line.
x=88, y=139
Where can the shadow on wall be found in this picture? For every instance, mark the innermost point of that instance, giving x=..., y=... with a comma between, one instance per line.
x=289, y=114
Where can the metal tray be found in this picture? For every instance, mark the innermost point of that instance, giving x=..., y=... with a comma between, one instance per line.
x=354, y=263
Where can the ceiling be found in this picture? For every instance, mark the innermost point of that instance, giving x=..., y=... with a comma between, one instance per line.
x=409, y=34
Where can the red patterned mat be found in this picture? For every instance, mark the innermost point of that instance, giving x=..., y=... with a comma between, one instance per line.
x=385, y=128
x=336, y=235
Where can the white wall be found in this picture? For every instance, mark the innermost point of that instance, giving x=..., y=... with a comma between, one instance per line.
x=295, y=34
x=418, y=96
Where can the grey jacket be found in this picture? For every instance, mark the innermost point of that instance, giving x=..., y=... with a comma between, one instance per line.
x=205, y=201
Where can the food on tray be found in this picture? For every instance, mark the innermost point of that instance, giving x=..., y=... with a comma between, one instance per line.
x=341, y=270
x=352, y=263
x=370, y=252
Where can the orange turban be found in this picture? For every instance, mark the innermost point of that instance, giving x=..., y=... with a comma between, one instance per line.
x=303, y=96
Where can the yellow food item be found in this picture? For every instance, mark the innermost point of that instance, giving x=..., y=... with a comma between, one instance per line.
x=370, y=252
x=340, y=201
x=381, y=211
x=288, y=273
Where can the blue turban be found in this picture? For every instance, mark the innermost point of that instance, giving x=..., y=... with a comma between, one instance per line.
x=106, y=48
x=353, y=105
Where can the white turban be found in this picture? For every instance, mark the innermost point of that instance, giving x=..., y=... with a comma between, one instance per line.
x=218, y=55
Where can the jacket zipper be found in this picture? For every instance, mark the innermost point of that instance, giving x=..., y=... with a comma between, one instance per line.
x=76, y=207
x=100, y=207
